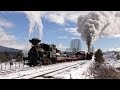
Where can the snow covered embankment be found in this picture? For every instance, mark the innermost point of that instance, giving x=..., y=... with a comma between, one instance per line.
x=81, y=71
x=110, y=59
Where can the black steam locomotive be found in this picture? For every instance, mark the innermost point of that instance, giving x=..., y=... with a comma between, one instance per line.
x=41, y=53
x=44, y=54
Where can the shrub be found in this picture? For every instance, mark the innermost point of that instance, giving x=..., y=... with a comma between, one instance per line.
x=102, y=71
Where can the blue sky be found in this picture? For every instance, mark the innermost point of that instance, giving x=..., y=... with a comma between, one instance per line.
x=53, y=32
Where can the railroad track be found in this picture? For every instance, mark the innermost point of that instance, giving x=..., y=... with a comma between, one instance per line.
x=51, y=73
x=43, y=72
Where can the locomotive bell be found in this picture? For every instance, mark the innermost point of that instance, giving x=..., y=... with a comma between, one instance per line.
x=34, y=41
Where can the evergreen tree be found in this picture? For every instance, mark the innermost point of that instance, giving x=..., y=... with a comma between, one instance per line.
x=9, y=58
x=99, y=56
x=2, y=57
x=6, y=54
x=19, y=56
x=118, y=56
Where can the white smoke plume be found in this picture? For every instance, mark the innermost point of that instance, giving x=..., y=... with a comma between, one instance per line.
x=35, y=21
x=99, y=24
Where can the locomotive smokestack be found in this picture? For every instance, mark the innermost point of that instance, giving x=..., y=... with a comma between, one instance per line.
x=34, y=41
x=88, y=45
x=88, y=48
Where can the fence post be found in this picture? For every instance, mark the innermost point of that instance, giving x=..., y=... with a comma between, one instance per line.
x=23, y=65
x=5, y=65
x=15, y=64
x=19, y=64
x=10, y=65
x=1, y=66
x=70, y=76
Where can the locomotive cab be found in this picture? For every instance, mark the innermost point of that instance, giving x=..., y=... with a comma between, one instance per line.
x=89, y=55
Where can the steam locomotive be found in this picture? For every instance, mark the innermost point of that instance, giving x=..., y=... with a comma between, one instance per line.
x=44, y=54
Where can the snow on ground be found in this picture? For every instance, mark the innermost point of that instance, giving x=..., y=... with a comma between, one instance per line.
x=82, y=71
x=79, y=70
x=34, y=71
x=76, y=70
x=16, y=65
x=110, y=59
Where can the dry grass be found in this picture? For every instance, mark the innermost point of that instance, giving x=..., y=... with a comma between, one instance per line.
x=102, y=71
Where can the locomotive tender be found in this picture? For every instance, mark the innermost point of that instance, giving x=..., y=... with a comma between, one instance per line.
x=44, y=54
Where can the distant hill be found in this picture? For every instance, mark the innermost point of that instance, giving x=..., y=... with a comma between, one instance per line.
x=115, y=49
x=3, y=49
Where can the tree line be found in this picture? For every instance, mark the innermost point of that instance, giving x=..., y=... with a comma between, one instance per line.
x=8, y=56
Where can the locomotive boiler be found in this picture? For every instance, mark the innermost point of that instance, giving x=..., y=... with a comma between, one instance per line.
x=40, y=54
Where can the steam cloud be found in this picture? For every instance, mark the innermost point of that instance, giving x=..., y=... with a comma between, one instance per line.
x=35, y=21
x=98, y=24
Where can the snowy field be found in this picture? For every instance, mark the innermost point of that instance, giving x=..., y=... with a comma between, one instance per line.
x=77, y=72
x=58, y=71
x=66, y=70
x=110, y=59
x=81, y=71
